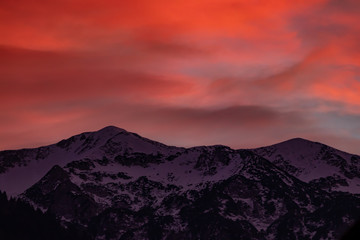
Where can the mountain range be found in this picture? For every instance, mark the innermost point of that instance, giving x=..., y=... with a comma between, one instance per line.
x=119, y=185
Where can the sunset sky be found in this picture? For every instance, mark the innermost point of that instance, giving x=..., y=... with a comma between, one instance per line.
x=242, y=73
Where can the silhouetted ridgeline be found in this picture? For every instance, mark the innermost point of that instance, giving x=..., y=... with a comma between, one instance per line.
x=20, y=221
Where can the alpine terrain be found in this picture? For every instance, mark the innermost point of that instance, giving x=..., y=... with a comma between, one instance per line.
x=114, y=184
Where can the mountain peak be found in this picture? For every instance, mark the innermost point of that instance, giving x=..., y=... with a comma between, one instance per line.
x=108, y=132
x=296, y=141
x=299, y=139
x=111, y=129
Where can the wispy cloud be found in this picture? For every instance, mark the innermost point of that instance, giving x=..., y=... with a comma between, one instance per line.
x=219, y=71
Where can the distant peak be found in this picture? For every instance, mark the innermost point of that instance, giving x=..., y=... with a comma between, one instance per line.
x=298, y=140
x=112, y=129
x=108, y=132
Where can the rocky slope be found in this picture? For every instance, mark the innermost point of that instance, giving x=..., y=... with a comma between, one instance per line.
x=316, y=163
x=123, y=186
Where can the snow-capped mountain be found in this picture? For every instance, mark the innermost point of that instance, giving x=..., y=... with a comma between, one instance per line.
x=120, y=185
x=316, y=163
x=32, y=164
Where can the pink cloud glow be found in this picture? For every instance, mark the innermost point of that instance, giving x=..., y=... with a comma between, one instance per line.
x=241, y=73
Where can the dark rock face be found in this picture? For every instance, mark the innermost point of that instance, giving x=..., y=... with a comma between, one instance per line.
x=260, y=201
x=210, y=159
x=18, y=158
x=329, y=183
x=56, y=193
x=140, y=159
x=123, y=186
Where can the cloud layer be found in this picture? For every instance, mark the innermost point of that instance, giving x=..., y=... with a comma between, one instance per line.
x=240, y=73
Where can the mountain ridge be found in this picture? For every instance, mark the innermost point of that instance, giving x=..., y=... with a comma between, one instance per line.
x=88, y=143
x=123, y=186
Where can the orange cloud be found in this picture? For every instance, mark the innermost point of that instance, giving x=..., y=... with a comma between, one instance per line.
x=65, y=24
x=37, y=76
x=197, y=64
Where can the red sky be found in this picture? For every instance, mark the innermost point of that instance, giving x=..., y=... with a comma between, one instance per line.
x=239, y=73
